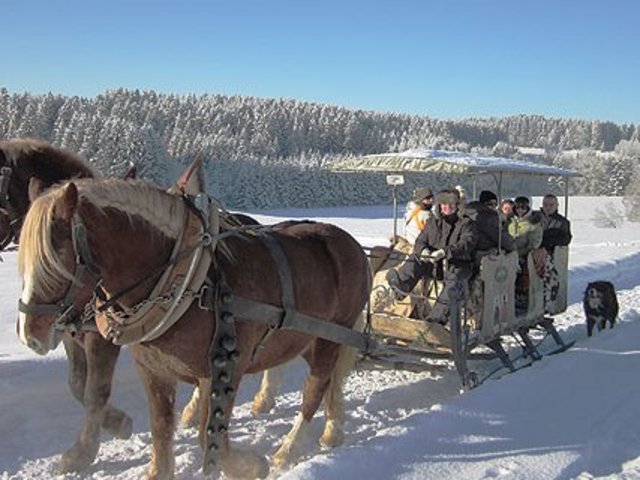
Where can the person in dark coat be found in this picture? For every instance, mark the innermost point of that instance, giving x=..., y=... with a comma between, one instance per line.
x=449, y=236
x=490, y=231
x=556, y=229
x=506, y=211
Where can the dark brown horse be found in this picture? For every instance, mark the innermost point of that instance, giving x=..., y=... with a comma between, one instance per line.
x=131, y=231
x=28, y=164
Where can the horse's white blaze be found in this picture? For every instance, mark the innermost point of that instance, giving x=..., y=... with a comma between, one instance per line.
x=27, y=293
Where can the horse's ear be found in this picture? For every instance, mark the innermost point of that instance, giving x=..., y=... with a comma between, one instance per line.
x=131, y=172
x=192, y=180
x=36, y=187
x=67, y=204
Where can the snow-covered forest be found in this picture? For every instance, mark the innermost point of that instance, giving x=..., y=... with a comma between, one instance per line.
x=271, y=153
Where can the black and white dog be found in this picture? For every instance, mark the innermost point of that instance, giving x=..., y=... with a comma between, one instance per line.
x=600, y=305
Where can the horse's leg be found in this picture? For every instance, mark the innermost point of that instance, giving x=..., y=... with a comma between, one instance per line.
x=189, y=417
x=161, y=394
x=333, y=434
x=116, y=422
x=77, y=367
x=270, y=386
x=101, y=360
x=322, y=359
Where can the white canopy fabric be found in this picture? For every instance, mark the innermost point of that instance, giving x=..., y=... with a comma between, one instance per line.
x=443, y=161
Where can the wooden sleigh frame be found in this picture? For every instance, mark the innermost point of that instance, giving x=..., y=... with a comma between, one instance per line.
x=400, y=327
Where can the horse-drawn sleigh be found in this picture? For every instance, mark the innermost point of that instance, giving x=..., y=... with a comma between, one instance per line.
x=244, y=299
x=483, y=312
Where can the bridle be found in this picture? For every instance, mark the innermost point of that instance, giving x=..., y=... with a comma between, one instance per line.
x=15, y=219
x=68, y=316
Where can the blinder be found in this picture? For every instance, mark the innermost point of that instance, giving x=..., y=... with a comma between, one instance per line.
x=67, y=315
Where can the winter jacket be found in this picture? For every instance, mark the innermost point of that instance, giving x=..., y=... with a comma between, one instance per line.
x=526, y=232
x=556, y=231
x=457, y=236
x=489, y=228
x=416, y=217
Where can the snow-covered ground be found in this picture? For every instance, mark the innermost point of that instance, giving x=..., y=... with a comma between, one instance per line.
x=573, y=415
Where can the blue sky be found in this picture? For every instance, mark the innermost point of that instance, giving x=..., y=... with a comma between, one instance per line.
x=445, y=58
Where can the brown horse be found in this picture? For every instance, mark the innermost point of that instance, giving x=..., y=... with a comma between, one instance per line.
x=130, y=233
x=32, y=165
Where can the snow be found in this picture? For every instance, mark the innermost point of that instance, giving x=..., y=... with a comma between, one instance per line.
x=446, y=161
x=532, y=151
x=569, y=416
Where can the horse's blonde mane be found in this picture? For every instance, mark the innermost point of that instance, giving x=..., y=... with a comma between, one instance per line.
x=37, y=256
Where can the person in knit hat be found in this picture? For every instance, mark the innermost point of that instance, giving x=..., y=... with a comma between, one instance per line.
x=491, y=235
x=525, y=227
x=417, y=213
x=526, y=230
x=449, y=235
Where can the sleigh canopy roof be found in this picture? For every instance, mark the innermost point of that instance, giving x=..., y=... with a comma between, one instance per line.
x=446, y=162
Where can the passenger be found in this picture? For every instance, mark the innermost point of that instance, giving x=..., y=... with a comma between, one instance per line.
x=490, y=234
x=526, y=229
x=556, y=232
x=417, y=213
x=449, y=236
x=556, y=229
x=506, y=211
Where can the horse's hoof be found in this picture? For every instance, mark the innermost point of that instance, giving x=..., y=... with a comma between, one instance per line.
x=245, y=464
x=77, y=458
x=331, y=439
x=333, y=435
x=262, y=405
x=123, y=429
x=159, y=476
x=281, y=458
x=117, y=424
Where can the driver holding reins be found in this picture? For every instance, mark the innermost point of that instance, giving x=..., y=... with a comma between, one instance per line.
x=449, y=235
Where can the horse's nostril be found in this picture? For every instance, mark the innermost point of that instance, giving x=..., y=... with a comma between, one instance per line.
x=33, y=344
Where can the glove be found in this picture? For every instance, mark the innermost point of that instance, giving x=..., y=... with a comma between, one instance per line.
x=438, y=255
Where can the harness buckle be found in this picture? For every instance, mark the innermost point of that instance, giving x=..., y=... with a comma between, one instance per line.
x=205, y=298
x=206, y=239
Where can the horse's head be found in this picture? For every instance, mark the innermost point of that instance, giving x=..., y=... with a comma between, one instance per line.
x=23, y=161
x=110, y=237
x=58, y=278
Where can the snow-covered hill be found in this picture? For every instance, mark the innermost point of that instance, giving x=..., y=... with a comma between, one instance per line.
x=572, y=415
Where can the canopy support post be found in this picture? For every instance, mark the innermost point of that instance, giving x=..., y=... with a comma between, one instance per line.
x=566, y=196
x=395, y=213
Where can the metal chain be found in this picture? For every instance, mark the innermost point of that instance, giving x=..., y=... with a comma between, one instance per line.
x=118, y=318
